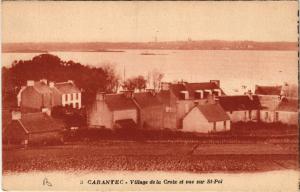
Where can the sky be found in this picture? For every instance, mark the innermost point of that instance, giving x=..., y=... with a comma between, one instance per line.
x=37, y=21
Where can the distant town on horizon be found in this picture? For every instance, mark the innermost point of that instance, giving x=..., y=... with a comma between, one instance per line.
x=30, y=47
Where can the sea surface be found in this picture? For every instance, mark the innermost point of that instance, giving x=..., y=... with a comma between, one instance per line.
x=235, y=68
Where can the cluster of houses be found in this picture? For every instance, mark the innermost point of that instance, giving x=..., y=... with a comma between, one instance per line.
x=191, y=107
x=33, y=121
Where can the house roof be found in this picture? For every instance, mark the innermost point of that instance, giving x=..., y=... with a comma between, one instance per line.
x=40, y=122
x=164, y=96
x=146, y=99
x=239, y=102
x=126, y=124
x=192, y=87
x=67, y=87
x=213, y=112
x=119, y=102
x=290, y=105
x=41, y=87
x=268, y=90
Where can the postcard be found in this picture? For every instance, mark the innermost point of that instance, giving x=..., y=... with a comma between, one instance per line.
x=150, y=96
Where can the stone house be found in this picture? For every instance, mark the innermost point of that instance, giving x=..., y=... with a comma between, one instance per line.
x=109, y=108
x=269, y=97
x=287, y=112
x=241, y=107
x=150, y=109
x=206, y=118
x=35, y=96
x=66, y=94
x=34, y=128
x=179, y=98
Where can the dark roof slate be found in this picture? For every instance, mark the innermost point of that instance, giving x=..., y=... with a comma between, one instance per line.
x=119, y=102
x=268, y=90
x=146, y=99
x=126, y=124
x=164, y=97
x=41, y=87
x=67, y=87
x=40, y=122
x=239, y=102
x=213, y=112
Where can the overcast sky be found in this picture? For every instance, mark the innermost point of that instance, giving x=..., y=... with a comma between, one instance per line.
x=143, y=21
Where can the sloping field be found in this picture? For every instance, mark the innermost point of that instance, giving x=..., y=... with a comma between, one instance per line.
x=153, y=156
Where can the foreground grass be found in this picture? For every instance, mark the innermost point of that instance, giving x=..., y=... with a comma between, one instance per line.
x=153, y=156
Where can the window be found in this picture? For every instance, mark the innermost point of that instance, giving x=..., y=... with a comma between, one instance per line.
x=71, y=97
x=250, y=114
x=276, y=116
x=77, y=95
x=266, y=115
x=214, y=128
x=66, y=97
x=197, y=95
x=224, y=125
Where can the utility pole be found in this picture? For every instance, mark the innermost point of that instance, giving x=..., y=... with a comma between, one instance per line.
x=124, y=73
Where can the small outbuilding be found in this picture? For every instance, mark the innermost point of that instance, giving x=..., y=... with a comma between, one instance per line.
x=34, y=128
x=287, y=111
x=206, y=118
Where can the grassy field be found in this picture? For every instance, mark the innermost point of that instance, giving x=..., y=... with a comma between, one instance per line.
x=153, y=156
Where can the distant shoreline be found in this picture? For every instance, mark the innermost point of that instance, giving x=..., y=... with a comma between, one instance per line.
x=151, y=54
x=173, y=45
x=41, y=51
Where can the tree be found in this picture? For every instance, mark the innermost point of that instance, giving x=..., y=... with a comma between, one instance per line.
x=134, y=83
x=156, y=77
x=112, y=78
x=46, y=66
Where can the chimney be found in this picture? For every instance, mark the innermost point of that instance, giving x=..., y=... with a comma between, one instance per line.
x=165, y=86
x=151, y=91
x=51, y=84
x=100, y=96
x=46, y=111
x=30, y=83
x=249, y=94
x=44, y=81
x=16, y=115
x=128, y=94
x=71, y=81
x=217, y=82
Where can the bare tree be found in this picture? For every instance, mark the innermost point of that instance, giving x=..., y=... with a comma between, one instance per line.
x=156, y=77
x=134, y=83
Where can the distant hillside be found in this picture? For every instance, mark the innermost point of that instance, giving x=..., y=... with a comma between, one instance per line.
x=178, y=45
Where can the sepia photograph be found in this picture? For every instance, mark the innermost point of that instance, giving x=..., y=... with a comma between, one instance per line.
x=150, y=95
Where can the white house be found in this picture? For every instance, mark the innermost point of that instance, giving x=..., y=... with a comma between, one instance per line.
x=287, y=112
x=66, y=94
x=206, y=118
x=269, y=97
